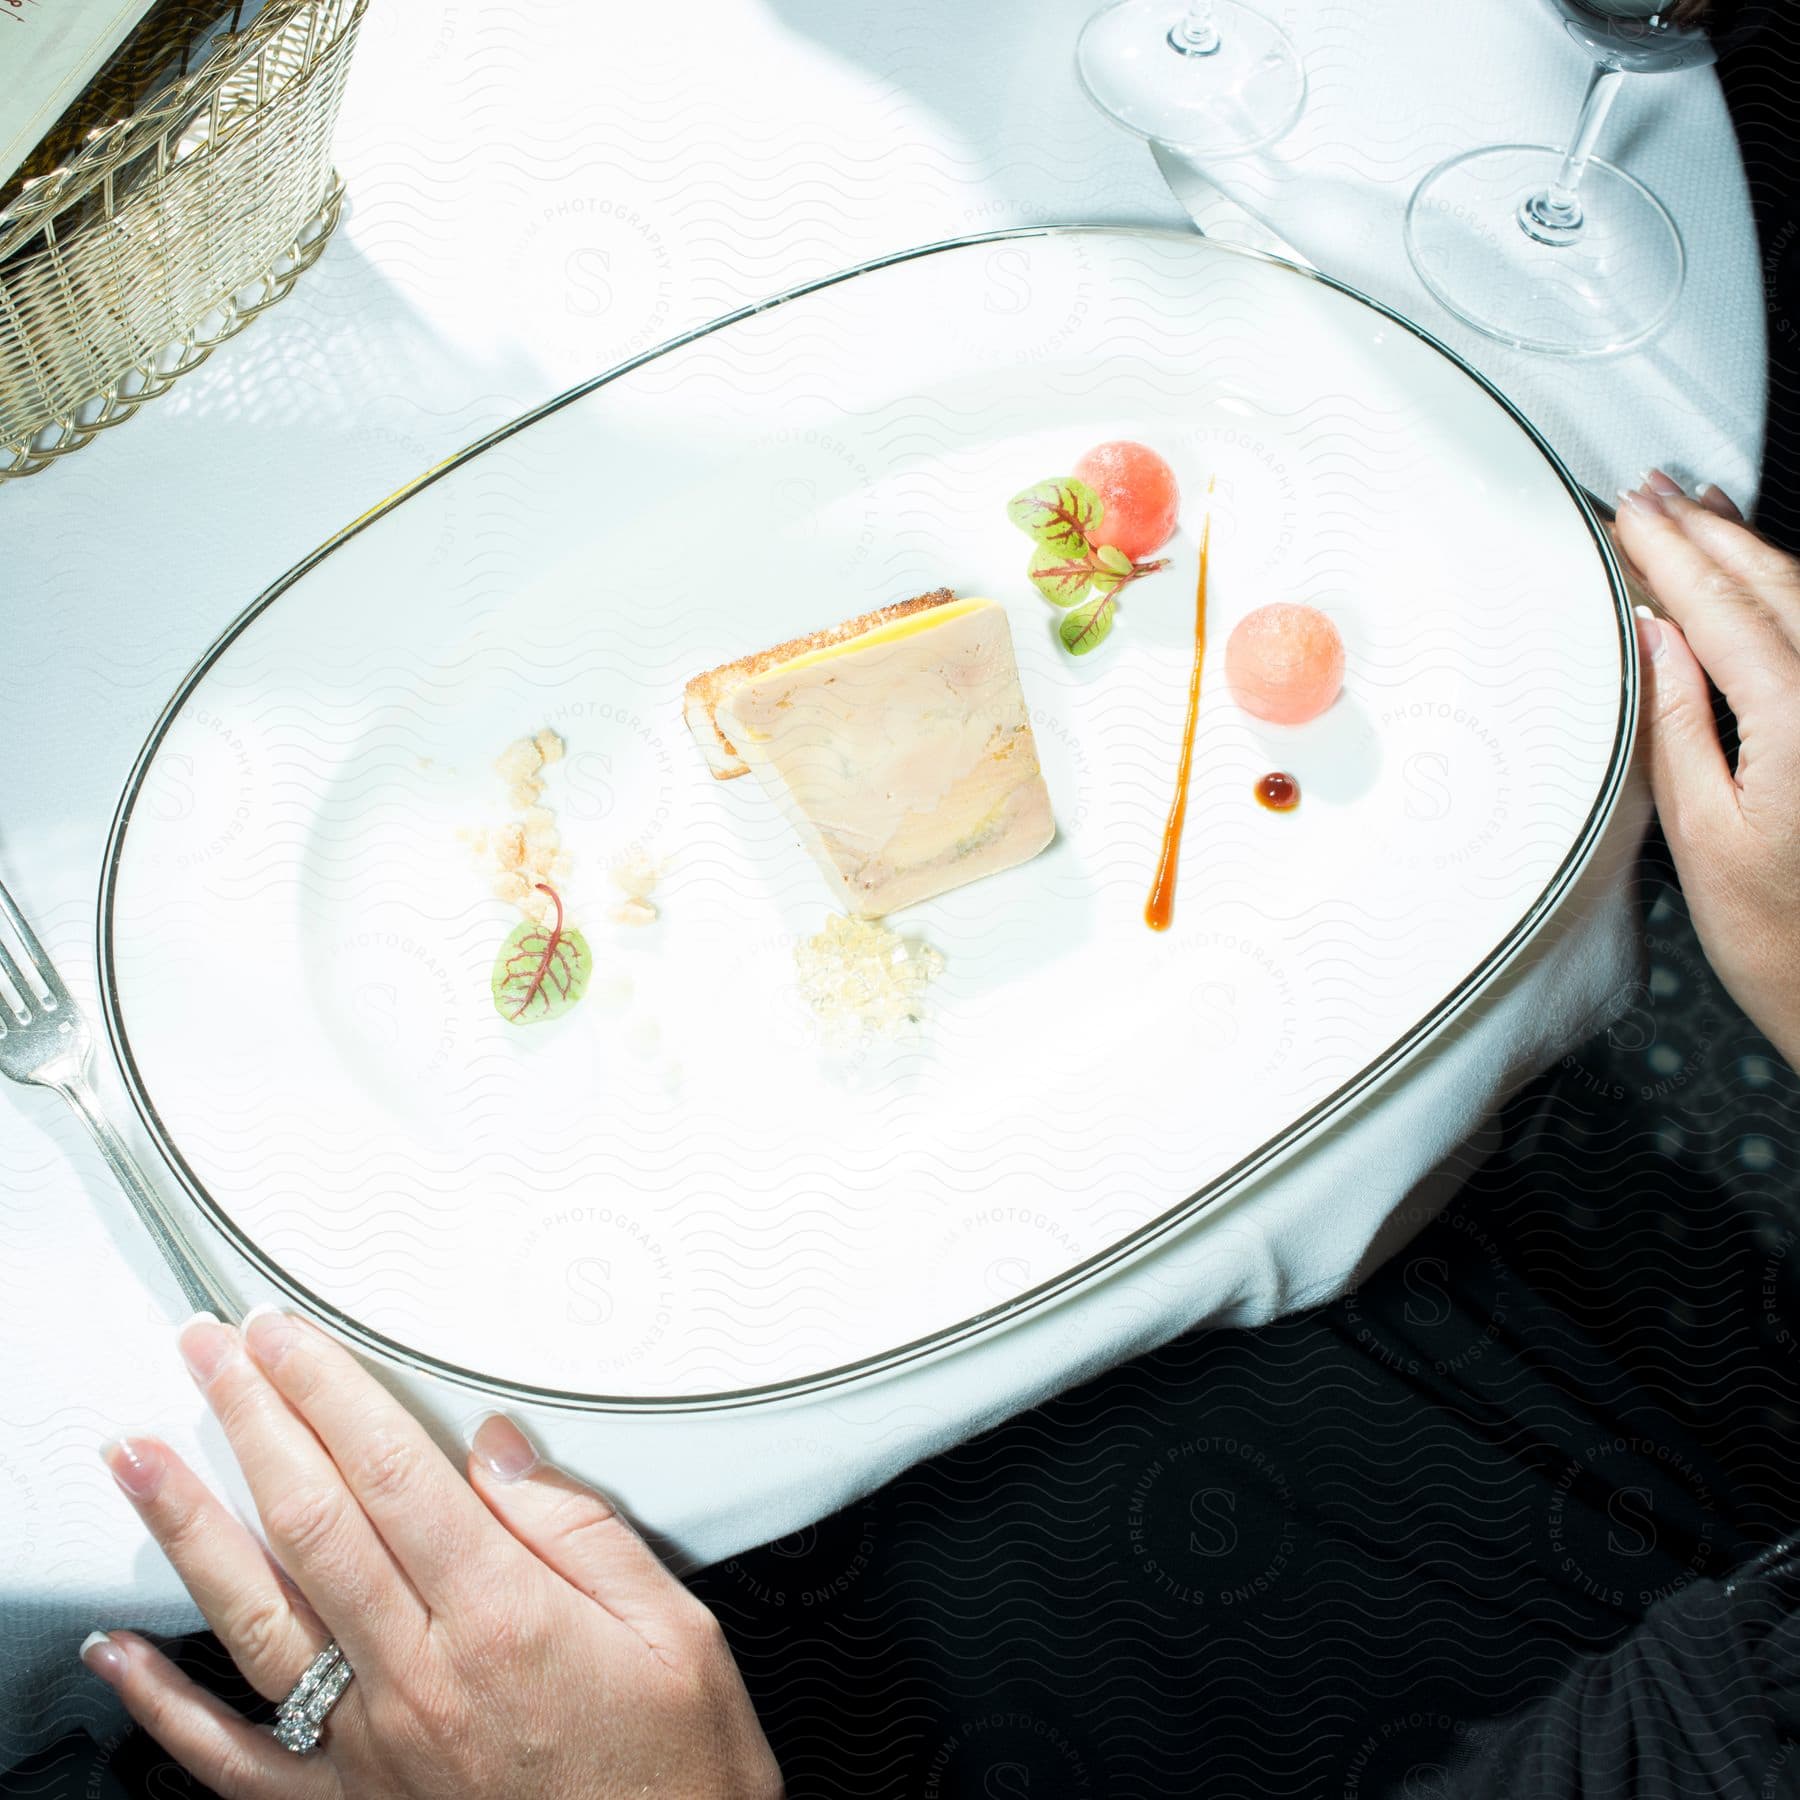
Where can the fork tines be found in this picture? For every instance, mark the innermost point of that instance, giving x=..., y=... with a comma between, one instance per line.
x=47, y=994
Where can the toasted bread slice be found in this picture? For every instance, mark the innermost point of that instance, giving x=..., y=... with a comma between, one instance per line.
x=700, y=701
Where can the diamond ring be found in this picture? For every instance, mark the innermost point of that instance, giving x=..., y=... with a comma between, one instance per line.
x=301, y=1716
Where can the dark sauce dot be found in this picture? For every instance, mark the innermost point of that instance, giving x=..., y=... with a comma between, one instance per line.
x=1278, y=792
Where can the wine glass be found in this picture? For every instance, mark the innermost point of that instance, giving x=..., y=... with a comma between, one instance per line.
x=1204, y=75
x=1555, y=250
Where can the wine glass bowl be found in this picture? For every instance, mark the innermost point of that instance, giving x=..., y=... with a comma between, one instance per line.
x=1639, y=39
x=1216, y=77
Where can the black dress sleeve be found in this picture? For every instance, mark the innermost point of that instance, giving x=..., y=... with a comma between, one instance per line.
x=1702, y=1700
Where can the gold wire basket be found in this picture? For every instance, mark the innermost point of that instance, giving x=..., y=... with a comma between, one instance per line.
x=169, y=230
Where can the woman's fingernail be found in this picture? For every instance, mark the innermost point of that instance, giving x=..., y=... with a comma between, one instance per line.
x=1659, y=483
x=102, y=1657
x=1651, y=635
x=205, y=1346
x=137, y=1464
x=269, y=1334
x=1637, y=501
x=503, y=1448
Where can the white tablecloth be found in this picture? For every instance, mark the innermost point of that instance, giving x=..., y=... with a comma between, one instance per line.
x=536, y=193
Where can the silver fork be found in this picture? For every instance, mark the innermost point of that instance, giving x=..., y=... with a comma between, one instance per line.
x=48, y=1045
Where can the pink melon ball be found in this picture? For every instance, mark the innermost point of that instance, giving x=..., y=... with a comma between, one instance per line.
x=1140, y=503
x=1285, y=663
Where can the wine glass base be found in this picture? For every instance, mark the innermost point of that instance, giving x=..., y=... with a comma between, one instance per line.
x=1608, y=286
x=1238, y=96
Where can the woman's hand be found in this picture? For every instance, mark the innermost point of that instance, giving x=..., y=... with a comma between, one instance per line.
x=512, y=1637
x=1734, y=606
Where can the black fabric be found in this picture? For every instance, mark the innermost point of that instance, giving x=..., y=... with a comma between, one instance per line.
x=128, y=1765
x=1696, y=1701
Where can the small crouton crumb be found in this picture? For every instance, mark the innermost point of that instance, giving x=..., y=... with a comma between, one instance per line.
x=634, y=912
x=635, y=873
x=527, y=849
x=518, y=760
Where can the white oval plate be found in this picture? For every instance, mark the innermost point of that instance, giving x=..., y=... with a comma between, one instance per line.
x=675, y=1196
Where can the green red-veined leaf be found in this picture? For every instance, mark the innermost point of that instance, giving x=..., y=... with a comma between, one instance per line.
x=1062, y=579
x=1088, y=625
x=1059, y=512
x=542, y=969
x=1108, y=557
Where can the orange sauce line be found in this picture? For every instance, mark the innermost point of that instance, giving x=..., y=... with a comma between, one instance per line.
x=1159, y=909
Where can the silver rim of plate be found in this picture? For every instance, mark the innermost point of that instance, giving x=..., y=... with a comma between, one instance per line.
x=1124, y=1250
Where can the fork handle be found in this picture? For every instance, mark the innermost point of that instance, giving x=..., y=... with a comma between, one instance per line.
x=197, y=1283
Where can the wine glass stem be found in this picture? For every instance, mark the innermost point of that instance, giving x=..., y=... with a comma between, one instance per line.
x=1197, y=32
x=1558, y=208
